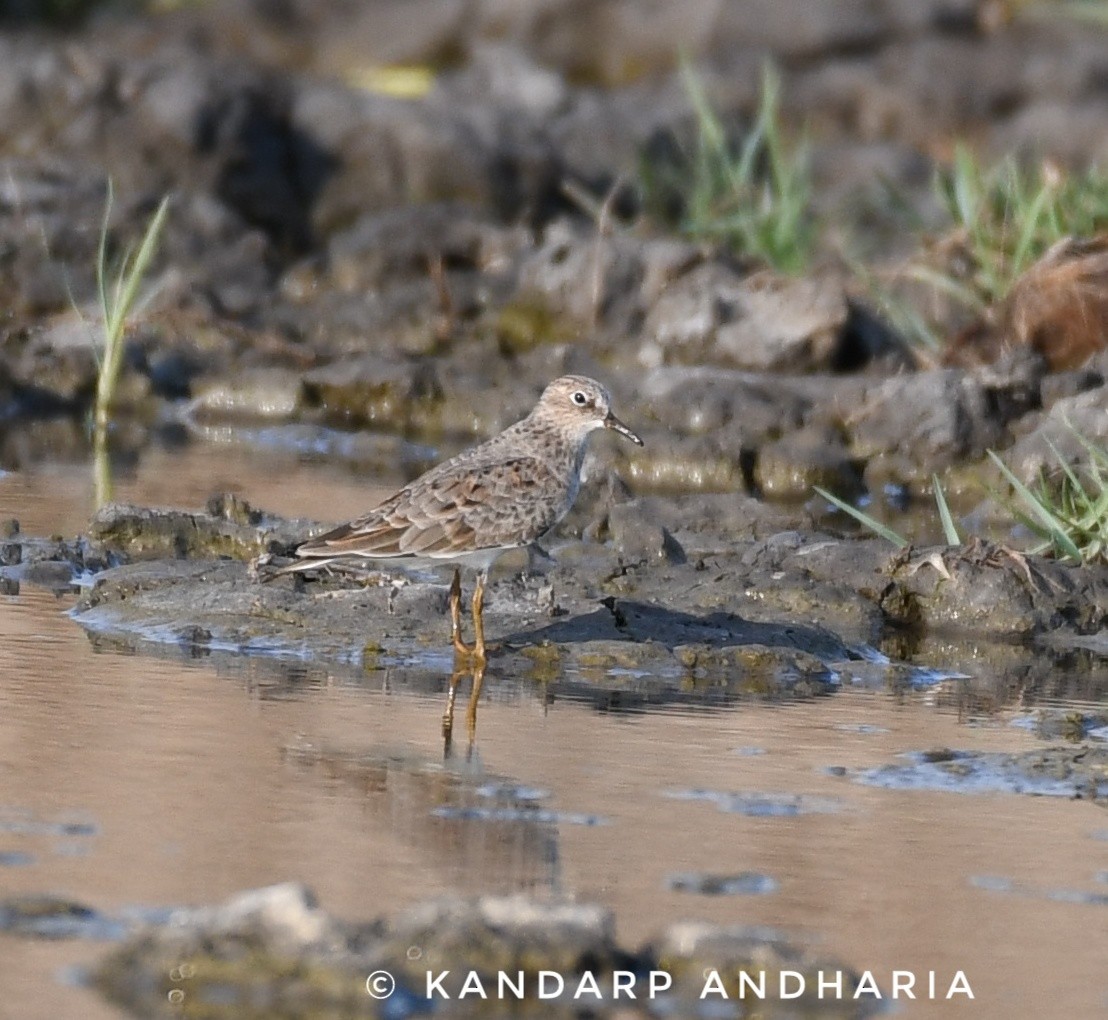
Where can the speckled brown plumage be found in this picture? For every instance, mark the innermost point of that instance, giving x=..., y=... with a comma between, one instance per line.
x=505, y=493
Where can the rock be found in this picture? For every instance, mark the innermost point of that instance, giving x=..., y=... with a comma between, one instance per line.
x=145, y=533
x=701, y=521
x=761, y=322
x=779, y=324
x=784, y=592
x=639, y=538
x=587, y=278
x=740, y=409
x=690, y=951
x=507, y=76
x=980, y=586
x=1085, y=414
x=276, y=946
x=759, y=670
x=930, y=419
x=667, y=463
x=45, y=916
x=398, y=244
x=395, y=394
x=1071, y=772
x=798, y=29
x=789, y=467
x=261, y=394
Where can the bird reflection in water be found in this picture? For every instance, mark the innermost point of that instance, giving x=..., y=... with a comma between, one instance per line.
x=463, y=667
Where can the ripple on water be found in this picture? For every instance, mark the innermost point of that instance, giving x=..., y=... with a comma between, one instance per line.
x=537, y=816
x=762, y=805
x=20, y=822
x=1001, y=884
x=15, y=859
x=746, y=883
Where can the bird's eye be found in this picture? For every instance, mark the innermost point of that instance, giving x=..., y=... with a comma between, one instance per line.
x=579, y=399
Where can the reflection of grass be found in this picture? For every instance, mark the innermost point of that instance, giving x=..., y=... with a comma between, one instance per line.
x=1070, y=513
x=754, y=197
x=1005, y=218
x=118, y=292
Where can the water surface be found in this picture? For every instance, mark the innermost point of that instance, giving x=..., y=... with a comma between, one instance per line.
x=136, y=781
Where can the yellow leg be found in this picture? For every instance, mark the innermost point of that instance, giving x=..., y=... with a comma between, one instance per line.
x=478, y=620
x=474, y=697
x=460, y=647
x=448, y=715
x=477, y=671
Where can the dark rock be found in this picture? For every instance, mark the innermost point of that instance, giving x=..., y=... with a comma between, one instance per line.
x=739, y=409
x=56, y=575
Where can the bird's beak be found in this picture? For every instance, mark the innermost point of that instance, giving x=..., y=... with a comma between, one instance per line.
x=613, y=423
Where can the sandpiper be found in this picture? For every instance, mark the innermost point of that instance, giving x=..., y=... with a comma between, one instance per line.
x=504, y=494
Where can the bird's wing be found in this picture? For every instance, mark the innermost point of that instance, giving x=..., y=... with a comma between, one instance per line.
x=471, y=506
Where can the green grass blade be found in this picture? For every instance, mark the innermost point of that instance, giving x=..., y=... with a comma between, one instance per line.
x=141, y=262
x=863, y=518
x=1054, y=528
x=102, y=266
x=950, y=532
x=117, y=304
x=1022, y=254
x=961, y=293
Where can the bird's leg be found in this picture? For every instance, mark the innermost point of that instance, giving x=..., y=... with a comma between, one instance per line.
x=448, y=715
x=460, y=647
x=471, y=709
x=478, y=620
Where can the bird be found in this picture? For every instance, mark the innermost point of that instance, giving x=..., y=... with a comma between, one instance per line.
x=505, y=493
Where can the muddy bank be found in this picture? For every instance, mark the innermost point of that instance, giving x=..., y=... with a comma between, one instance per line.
x=339, y=255
x=787, y=613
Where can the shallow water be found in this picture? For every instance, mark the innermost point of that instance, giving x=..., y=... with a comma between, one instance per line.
x=137, y=781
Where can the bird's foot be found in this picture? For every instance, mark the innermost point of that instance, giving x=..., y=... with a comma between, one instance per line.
x=475, y=653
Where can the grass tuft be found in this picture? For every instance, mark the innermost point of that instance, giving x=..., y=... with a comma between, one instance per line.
x=754, y=197
x=118, y=293
x=1070, y=512
x=1005, y=218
